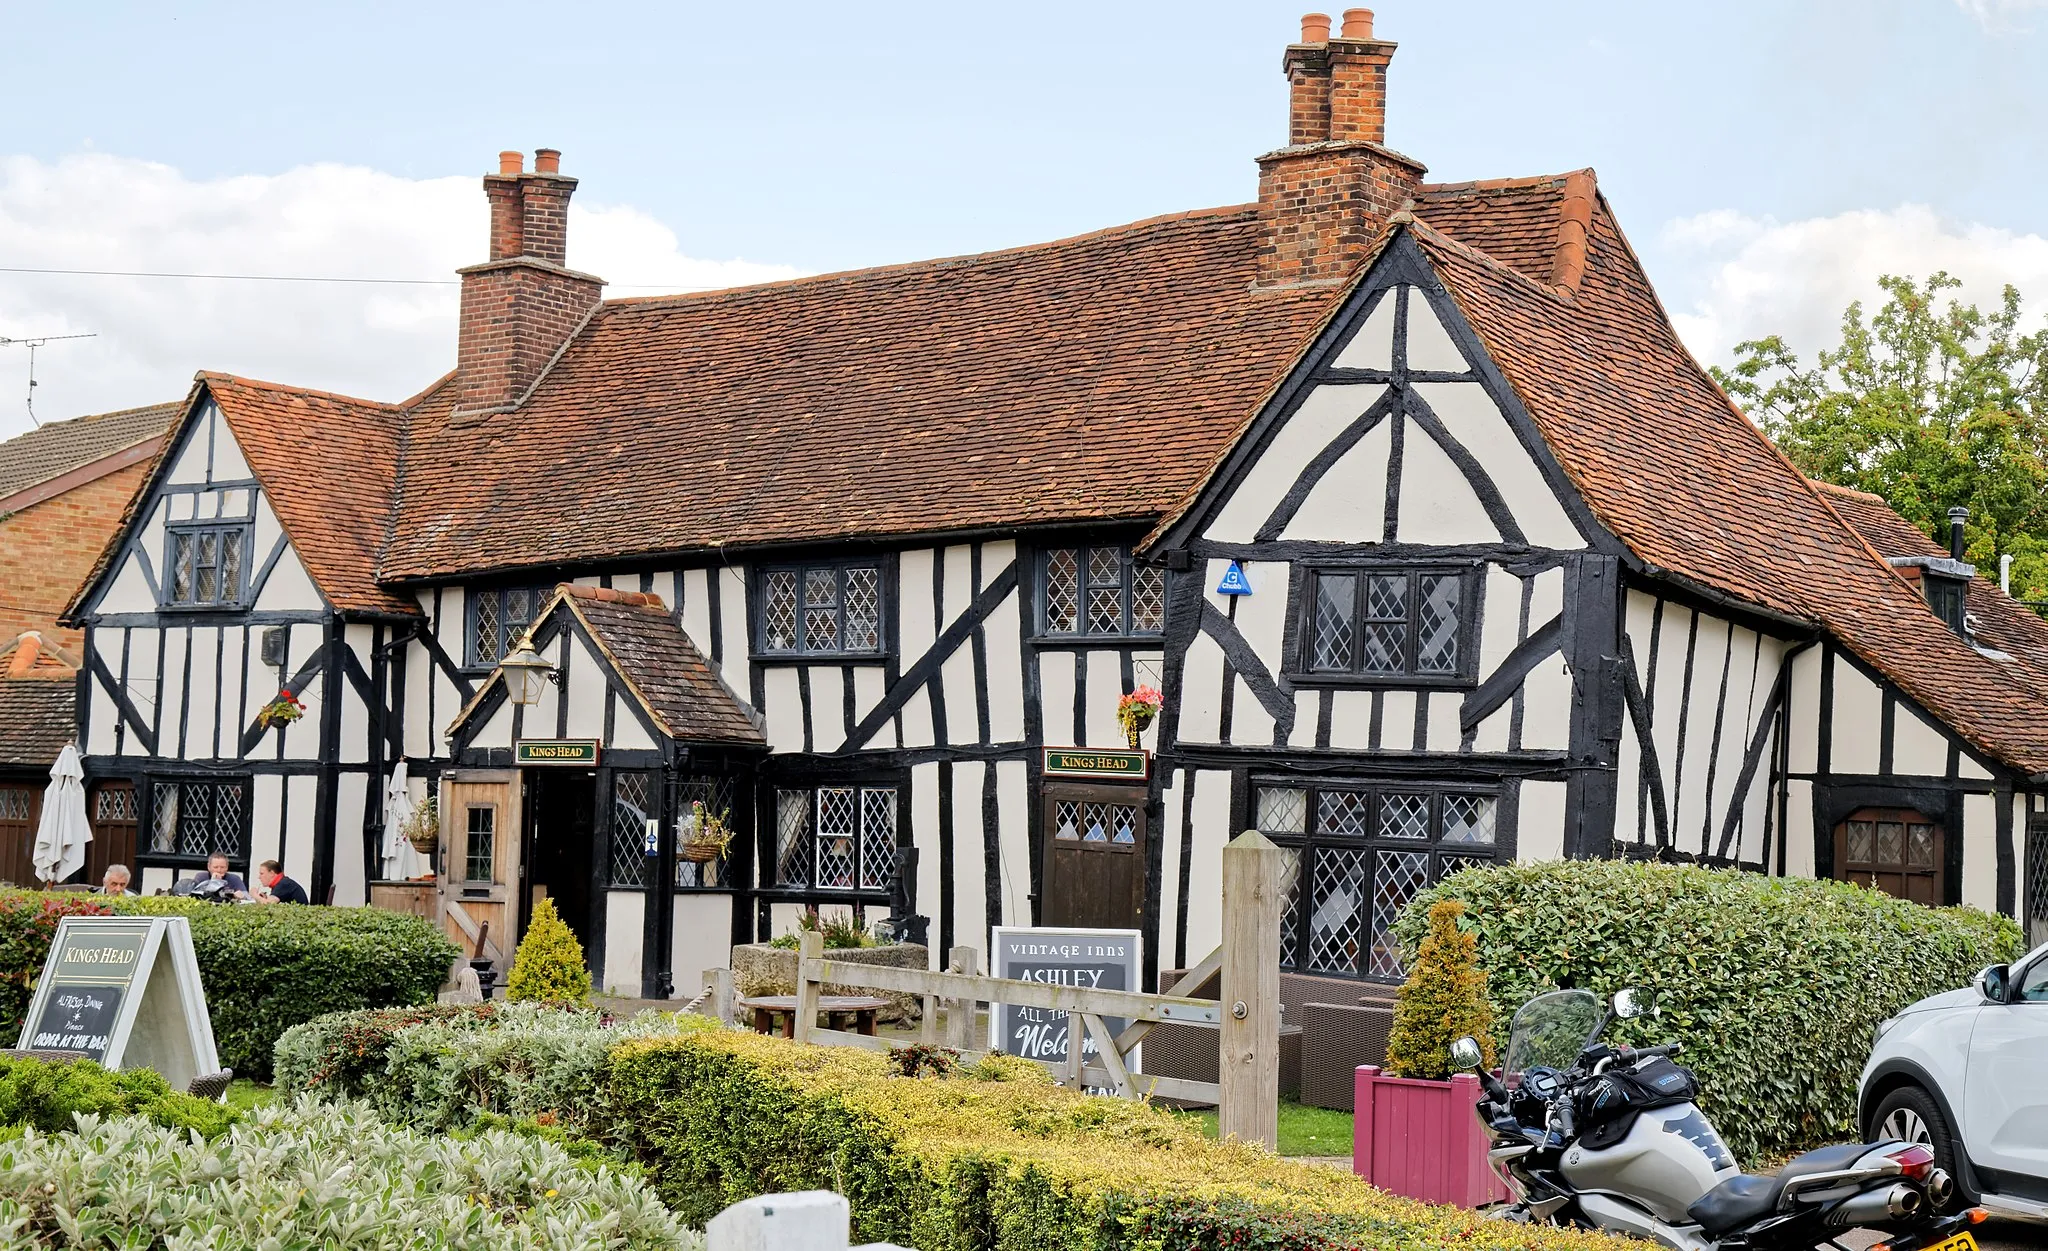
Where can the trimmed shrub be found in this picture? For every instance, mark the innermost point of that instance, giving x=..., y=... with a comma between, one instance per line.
x=265, y=969
x=964, y=1164
x=1443, y=1000
x=549, y=966
x=447, y=1067
x=1773, y=985
x=311, y=1175
x=46, y=1095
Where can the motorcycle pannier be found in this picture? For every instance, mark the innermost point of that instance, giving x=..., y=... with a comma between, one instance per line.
x=1609, y=1103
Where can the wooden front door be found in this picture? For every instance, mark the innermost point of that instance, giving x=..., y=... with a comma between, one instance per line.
x=21, y=804
x=1094, y=856
x=479, y=870
x=1895, y=850
x=111, y=808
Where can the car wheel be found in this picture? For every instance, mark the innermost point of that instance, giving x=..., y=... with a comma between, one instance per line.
x=1910, y=1113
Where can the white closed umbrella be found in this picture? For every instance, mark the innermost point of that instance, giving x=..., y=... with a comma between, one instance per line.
x=62, y=834
x=401, y=860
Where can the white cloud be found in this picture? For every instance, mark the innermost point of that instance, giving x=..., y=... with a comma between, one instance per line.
x=2000, y=16
x=1745, y=277
x=382, y=342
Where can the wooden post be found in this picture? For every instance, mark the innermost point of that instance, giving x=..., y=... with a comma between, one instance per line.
x=960, y=1012
x=1248, y=1073
x=1077, y=1038
x=811, y=946
x=720, y=1003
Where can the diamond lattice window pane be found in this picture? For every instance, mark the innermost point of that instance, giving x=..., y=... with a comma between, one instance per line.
x=1920, y=846
x=520, y=603
x=1436, y=632
x=1105, y=611
x=485, y=642
x=1282, y=810
x=863, y=609
x=778, y=611
x=1468, y=819
x=1148, y=599
x=1062, y=591
x=1123, y=824
x=1862, y=841
x=1341, y=812
x=1386, y=597
x=1335, y=597
x=1404, y=816
x=115, y=805
x=14, y=804
x=230, y=564
x=632, y=805
x=1891, y=843
x=1400, y=874
x=1066, y=818
x=164, y=832
x=715, y=793
x=1105, y=567
x=836, y=831
x=1382, y=644
x=181, y=568
x=1447, y=865
x=821, y=628
x=792, y=837
x=1337, y=907
x=1094, y=823
x=1290, y=909
x=877, y=837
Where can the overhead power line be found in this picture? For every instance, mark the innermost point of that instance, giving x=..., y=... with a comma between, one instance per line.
x=389, y=282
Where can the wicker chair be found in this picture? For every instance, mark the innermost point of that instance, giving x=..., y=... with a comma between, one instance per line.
x=1337, y=1038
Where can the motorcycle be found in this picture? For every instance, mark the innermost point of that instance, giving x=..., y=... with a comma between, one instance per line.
x=1603, y=1136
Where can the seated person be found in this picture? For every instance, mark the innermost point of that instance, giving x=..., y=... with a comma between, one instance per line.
x=277, y=888
x=115, y=881
x=216, y=882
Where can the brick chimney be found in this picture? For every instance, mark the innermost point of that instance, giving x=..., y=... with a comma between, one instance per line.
x=520, y=306
x=1325, y=196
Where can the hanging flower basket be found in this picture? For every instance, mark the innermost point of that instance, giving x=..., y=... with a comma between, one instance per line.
x=423, y=828
x=705, y=835
x=1136, y=711
x=283, y=710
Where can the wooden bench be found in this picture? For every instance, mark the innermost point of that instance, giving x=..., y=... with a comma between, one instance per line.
x=768, y=1010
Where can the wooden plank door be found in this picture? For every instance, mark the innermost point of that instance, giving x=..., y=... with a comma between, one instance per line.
x=111, y=809
x=1094, y=856
x=479, y=869
x=1895, y=850
x=21, y=804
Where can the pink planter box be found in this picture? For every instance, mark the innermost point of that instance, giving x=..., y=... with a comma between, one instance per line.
x=1422, y=1139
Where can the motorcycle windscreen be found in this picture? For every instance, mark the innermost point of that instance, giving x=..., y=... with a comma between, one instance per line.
x=1550, y=1030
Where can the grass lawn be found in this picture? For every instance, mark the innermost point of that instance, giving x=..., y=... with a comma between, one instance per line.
x=244, y=1094
x=1303, y=1130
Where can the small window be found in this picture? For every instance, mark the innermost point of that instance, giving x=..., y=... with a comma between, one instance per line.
x=636, y=800
x=1949, y=600
x=480, y=848
x=1407, y=627
x=199, y=819
x=836, y=837
x=1099, y=592
x=821, y=610
x=497, y=617
x=205, y=566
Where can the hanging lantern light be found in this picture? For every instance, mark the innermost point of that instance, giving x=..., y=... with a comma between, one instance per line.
x=526, y=672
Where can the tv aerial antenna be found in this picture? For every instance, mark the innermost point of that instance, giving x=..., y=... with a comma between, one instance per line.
x=32, y=345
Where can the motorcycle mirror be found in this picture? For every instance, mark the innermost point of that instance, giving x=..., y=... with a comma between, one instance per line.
x=1465, y=1055
x=1630, y=1003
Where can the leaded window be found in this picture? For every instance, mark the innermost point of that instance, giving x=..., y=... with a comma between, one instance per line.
x=199, y=818
x=1099, y=592
x=836, y=837
x=114, y=803
x=831, y=610
x=497, y=617
x=636, y=812
x=480, y=843
x=204, y=565
x=715, y=792
x=1397, y=626
x=1359, y=855
x=16, y=802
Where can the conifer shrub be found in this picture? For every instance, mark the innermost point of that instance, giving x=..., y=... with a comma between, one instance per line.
x=1774, y=986
x=1443, y=1000
x=549, y=966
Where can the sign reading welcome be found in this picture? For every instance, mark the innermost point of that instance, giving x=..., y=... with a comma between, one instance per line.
x=1091, y=959
x=555, y=751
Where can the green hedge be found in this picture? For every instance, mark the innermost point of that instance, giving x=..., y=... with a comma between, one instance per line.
x=1774, y=985
x=993, y=1156
x=45, y=1095
x=265, y=968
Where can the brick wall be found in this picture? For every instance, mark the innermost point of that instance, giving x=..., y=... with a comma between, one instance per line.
x=47, y=549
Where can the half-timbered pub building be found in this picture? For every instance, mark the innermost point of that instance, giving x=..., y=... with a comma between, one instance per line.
x=1441, y=546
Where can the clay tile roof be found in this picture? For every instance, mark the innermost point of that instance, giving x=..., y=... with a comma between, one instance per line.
x=1604, y=376
x=649, y=651
x=35, y=720
x=61, y=446
x=31, y=656
x=1087, y=379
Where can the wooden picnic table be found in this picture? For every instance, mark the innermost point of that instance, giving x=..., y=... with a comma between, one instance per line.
x=834, y=1008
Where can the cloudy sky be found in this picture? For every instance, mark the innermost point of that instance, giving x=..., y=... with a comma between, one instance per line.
x=1768, y=157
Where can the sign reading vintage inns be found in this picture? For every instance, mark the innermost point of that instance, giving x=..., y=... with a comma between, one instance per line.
x=1091, y=959
x=1082, y=762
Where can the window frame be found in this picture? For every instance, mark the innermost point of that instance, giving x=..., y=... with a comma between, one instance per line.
x=244, y=532
x=472, y=597
x=1127, y=566
x=469, y=811
x=839, y=566
x=811, y=848
x=1306, y=843
x=1301, y=625
x=145, y=836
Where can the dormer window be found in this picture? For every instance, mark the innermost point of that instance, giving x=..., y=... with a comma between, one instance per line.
x=1947, y=596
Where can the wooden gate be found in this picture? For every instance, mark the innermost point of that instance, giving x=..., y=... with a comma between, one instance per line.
x=21, y=804
x=1094, y=856
x=479, y=861
x=1895, y=850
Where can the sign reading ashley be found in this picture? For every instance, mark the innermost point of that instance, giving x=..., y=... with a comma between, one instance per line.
x=124, y=991
x=1090, y=959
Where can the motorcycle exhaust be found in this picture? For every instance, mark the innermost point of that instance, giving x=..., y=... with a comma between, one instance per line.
x=1940, y=1188
x=1894, y=1203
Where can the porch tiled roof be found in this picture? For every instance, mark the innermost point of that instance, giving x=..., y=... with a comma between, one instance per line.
x=646, y=647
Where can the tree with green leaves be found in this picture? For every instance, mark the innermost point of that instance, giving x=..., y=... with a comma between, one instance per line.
x=1930, y=404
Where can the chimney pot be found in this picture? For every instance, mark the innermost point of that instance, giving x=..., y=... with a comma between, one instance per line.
x=1357, y=24
x=1315, y=28
x=1957, y=518
x=511, y=162
x=547, y=161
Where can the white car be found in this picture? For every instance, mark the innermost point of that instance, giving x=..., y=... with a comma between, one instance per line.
x=1966, y=1073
